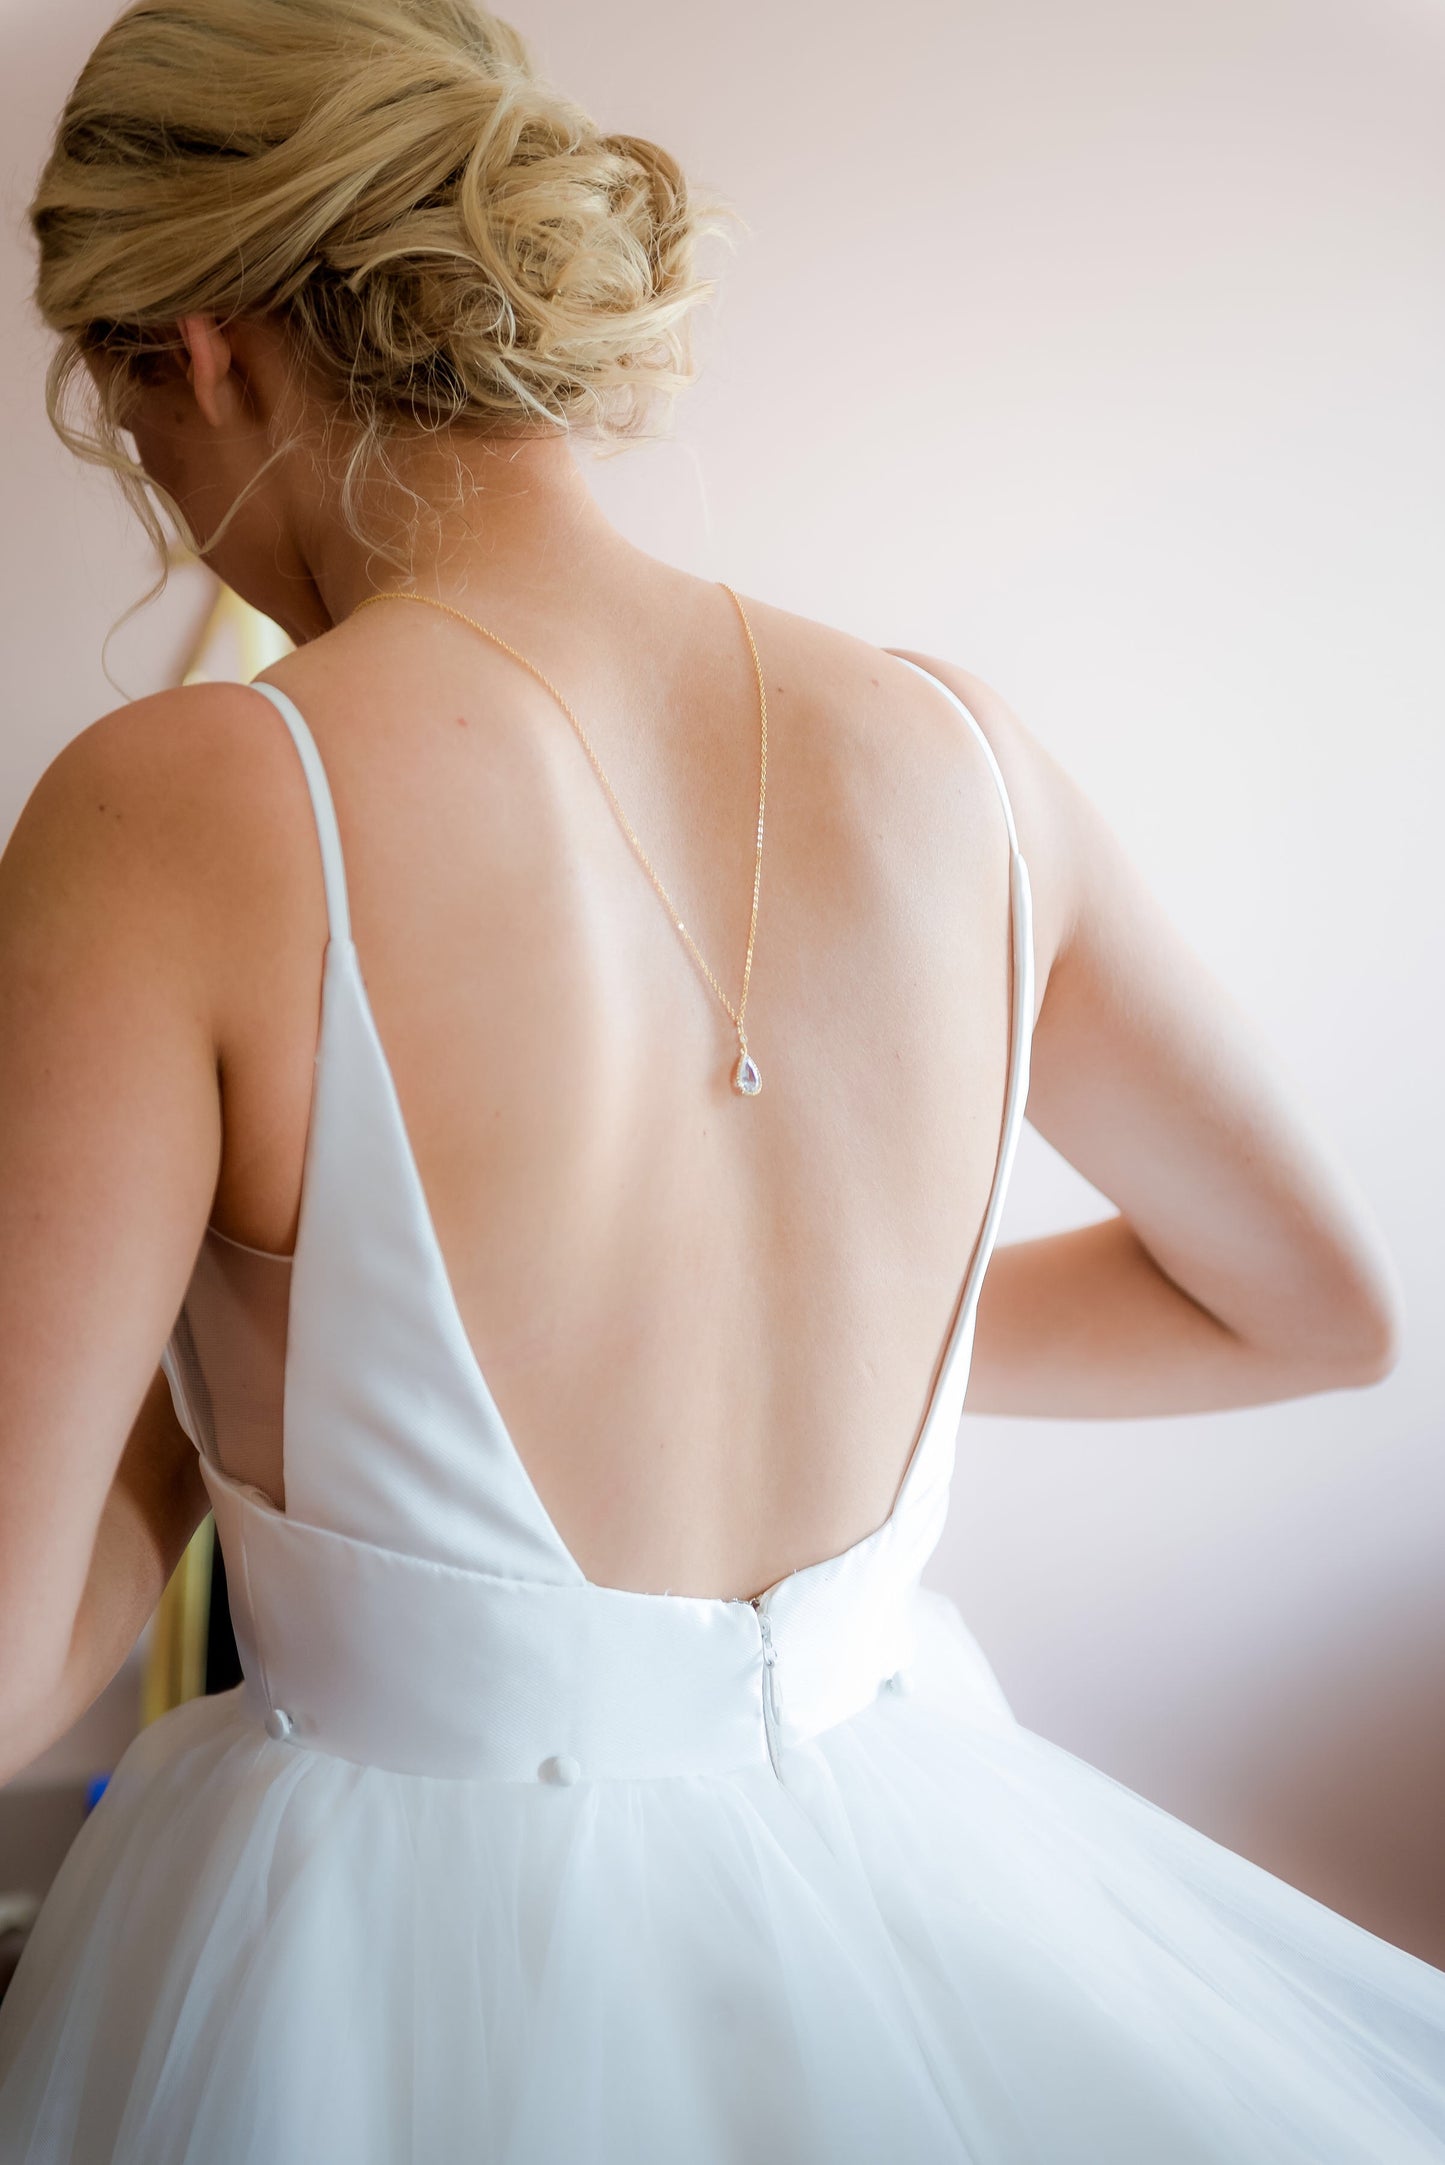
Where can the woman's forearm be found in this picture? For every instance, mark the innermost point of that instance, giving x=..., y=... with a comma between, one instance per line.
x=155, y=1504
x=1086, y=1325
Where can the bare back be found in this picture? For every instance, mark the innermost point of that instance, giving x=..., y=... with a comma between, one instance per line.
x=710, y=1323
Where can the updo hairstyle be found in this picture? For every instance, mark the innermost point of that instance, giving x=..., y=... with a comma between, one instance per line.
x=448, y=241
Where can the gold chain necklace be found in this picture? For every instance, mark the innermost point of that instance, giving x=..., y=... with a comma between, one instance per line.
x=746, y=1078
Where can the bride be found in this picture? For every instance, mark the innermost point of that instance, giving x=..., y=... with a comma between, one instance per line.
x=511, y=1110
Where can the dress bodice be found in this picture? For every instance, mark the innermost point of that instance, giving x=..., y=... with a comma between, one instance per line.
x=413, y=1605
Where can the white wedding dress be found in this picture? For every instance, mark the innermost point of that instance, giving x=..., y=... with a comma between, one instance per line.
x=487, y=1863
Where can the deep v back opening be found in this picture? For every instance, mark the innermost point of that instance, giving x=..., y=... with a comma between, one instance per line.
x=341, y=956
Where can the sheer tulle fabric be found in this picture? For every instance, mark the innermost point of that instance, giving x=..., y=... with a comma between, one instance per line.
x=943, y=1939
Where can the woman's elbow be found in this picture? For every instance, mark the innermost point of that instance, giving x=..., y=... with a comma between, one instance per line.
x=1369, y=1338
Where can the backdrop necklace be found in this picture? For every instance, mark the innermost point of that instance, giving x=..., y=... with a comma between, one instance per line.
x=746, y=1078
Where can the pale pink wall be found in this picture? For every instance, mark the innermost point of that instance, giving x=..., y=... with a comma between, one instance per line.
x=1099, y=348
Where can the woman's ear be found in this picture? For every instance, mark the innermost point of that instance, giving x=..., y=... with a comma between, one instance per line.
x=208, y=369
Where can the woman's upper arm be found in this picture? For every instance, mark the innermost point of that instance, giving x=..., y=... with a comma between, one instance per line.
x=1151, y=1080
x=110, y=1129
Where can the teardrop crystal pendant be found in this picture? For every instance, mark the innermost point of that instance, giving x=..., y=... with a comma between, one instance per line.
x=746, y=1078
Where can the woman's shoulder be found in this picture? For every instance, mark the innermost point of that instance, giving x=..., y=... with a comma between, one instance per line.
x=884, y=691
x=892, y=715
x=157, y=750
x=161, y=810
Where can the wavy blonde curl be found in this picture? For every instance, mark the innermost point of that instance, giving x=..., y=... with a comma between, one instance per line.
x=449, y=241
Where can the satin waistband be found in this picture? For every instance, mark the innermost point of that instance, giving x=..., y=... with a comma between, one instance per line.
x=396, y=1661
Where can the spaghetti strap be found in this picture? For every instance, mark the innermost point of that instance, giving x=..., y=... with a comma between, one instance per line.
x=1021, y=1024
x=1021, y=1001
x=328, y=834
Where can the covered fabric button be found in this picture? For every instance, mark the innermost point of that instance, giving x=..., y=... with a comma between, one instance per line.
x=562, y=1769
x=278, y=1723
x=900, y=1683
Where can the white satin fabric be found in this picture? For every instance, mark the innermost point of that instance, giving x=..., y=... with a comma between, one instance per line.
x=484, y=1860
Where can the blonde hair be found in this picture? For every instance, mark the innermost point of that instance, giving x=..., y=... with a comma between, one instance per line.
x=448, y=241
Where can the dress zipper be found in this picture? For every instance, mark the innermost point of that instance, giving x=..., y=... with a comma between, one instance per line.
x=770, y=1662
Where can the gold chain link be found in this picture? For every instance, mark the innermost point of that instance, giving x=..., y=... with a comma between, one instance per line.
x=735, y=1014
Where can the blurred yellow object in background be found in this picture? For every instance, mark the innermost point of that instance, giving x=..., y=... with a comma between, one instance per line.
x=236, y=641
x=175, y=1667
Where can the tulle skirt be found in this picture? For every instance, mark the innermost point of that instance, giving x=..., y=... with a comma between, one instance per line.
x=940, y=1937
